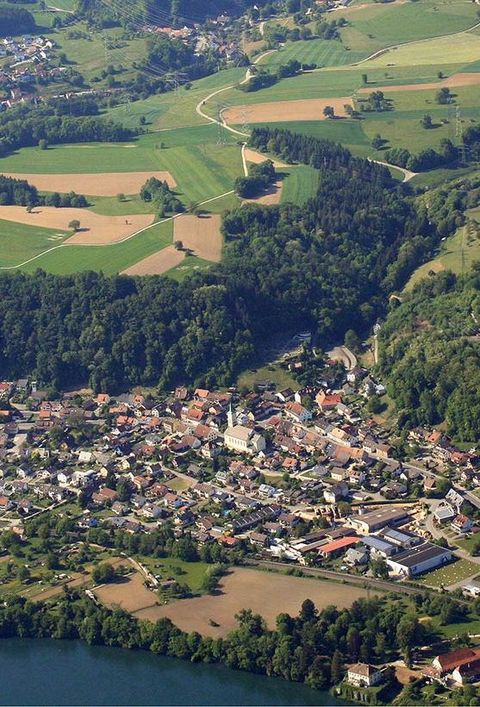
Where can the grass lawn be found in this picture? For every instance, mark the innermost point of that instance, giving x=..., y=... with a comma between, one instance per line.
x=470, y=626
x=300, y=184
x=457, y=253
x=109, y=259
x=450, y=574
x=191, y=573
x=271, y=372
x=179, y=484
x=111, y=206
x=468, y=543
x=19, y=242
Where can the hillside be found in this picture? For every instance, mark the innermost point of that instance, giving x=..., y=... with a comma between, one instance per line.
x=430, y=354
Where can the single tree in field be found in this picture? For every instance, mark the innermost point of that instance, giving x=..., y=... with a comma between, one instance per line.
x=75, y=224
x=329, y=112
x=364, y=78
x=178, y=245
x=43, y=144
x=377, y=142
x=349, y=110
x=121, y=197
x=426, y=122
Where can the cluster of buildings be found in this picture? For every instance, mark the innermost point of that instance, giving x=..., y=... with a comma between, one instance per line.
x=305, y=476
x=24, y=61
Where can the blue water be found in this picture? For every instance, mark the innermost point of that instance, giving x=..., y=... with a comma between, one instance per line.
x=47, y=672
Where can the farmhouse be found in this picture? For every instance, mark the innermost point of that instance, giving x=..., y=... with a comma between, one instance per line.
x=460, y=666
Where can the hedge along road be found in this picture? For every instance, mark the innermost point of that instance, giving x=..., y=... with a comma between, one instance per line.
x=110, y=245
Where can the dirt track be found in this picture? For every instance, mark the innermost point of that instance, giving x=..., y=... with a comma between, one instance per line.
x=157, y=263
x=106, y=184
x=200, y=234
x=257, y=157
x=95, y=229
x=453, y=81
x=281, y=111
x=265, y=593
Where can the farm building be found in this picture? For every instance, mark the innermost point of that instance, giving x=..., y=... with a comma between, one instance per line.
x=419, y=559
x=376, y=520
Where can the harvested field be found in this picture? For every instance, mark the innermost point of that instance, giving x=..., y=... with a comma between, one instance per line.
x=453, y=81
x=271, y=196
x=265, y=593
x=200, y=234
x=130, y=594
x=106, y=184
x=158, y=263
x=258, y=157
x=281, y=111
x=95, y=229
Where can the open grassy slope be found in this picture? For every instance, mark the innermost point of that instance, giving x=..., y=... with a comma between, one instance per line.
x=109, y=259
x=19, y=242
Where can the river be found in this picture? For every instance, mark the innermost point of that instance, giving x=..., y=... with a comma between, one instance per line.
x=47, y=672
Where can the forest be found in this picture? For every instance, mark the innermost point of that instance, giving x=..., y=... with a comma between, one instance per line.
x=327, y=267
x=313, y=647
x=178, y=12
x=26, y=126
x=15, y=20
x=430, y=354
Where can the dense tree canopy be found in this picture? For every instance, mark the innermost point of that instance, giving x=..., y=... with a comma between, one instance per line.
x=15, y=20
x=430, y=354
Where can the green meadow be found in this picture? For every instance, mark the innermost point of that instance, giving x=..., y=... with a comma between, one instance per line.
x=300, y=184
x=19, y=242
x=109, y=259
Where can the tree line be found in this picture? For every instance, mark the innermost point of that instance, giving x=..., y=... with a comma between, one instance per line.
x=312, y=647
x=20, y=193
x=26, y=126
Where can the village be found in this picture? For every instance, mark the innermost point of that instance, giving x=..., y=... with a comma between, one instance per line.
x=307, y=477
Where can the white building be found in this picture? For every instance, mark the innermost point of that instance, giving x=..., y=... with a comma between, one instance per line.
x=363, y=675
x=244, y=440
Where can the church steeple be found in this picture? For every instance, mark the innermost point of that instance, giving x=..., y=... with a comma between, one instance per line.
x=231, y=417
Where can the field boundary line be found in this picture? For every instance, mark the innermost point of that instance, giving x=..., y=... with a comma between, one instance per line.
x=110, y=245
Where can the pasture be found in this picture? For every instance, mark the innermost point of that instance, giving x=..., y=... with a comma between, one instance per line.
x=268, y=594
x=300, y=184
x=457, y=253
x=19, y=242
x=109, y=259
x=381, y=25
x=321, y=52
